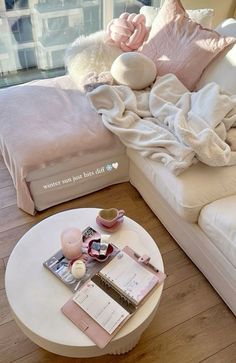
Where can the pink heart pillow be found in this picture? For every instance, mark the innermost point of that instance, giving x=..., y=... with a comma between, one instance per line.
x=178, y=45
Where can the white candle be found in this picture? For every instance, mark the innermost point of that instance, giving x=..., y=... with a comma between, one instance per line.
x=78, y=269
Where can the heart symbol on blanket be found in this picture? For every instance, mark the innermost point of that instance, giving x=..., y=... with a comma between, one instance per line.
x=115, y=165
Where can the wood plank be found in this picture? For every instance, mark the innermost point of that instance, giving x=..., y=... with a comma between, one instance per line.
x=178, y=267
x=11, y=217
x=2, y=163
x=163, y=239
x=5, y=261
x=14, y=221
x=5, y=311
x=2, y=274
x=5, y=178
x=14, y=344
x=42, y=356
x=9, y=238
x=227, y=355
x=7, y=196
x=134, y=194
x=105, y=198
x=145, y=217
x=191, y=341
x=178, y=304
x=182, y=301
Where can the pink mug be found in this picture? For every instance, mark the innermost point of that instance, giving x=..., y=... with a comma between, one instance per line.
x=109, y=217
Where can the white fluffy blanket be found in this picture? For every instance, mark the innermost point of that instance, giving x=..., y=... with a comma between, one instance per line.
x=168, y=123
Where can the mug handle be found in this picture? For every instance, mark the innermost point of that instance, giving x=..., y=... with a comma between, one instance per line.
x=121, y=212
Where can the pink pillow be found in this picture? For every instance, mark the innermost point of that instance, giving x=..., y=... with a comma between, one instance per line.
x=178, y=45
x=128, y=31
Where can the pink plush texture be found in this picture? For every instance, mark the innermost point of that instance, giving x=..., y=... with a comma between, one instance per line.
x=128, y=31
x=94, y=77
x=93, y=80
x=180, y=46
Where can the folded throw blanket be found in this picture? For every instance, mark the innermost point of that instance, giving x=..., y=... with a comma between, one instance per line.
x=170, y=124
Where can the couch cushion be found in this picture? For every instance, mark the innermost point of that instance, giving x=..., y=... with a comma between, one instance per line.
x=218, y=221
x=222, y=69
x=227, y=28
x=189, y=192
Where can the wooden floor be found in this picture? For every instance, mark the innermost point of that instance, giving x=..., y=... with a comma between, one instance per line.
x=192, y=323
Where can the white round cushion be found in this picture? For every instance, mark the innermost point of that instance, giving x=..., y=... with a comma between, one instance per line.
x=133, y=69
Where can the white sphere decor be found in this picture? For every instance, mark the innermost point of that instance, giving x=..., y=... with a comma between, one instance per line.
x=133, y=69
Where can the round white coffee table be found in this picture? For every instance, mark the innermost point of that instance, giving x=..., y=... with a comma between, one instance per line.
x=36, y=295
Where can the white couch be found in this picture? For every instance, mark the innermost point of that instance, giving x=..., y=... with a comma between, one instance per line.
x=205, y=230
x=198, y=207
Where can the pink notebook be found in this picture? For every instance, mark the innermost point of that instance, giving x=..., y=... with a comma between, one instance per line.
x=106, y=301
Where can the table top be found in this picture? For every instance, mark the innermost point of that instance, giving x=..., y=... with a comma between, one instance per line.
x=36, y=295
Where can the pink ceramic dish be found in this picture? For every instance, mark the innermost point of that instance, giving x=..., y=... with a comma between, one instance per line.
x=101, y=258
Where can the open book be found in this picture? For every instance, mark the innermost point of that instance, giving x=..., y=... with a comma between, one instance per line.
x=118, y=289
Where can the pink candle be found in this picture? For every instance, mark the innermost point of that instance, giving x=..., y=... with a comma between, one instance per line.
x=71, y=243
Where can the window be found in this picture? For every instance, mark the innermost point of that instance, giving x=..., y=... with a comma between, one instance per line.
x=58, y=23
x=27, y=58
x=21, y=29
x=16, y=4
x=92, y=19
x=34, y=34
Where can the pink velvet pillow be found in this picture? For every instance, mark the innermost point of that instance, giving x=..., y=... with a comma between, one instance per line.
x=178, y=45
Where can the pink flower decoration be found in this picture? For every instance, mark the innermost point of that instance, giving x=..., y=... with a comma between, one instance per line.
x=128, y=31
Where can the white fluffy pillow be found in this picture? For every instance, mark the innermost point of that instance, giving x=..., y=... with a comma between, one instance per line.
x=90, y=54
x=200, y=16
x=150, y=12
x=134, y=70
x=222, y=69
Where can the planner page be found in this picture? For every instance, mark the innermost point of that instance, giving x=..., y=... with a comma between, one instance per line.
x=129, y=277
x=100, y=306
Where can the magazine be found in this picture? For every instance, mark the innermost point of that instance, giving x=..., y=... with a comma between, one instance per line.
x=59, y=265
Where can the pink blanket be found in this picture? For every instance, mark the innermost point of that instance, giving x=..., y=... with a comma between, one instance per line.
x=44, y=122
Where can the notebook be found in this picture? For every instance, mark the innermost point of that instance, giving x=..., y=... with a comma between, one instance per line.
x=129, y=277
x=107, y=300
